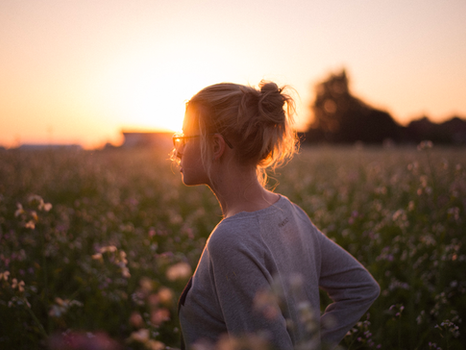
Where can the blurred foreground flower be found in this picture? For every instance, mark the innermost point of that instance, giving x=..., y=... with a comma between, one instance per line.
x=82, y=341
x=37, y=200
x=61, y=306
x=268, y=304
x=136, y=320
x=143, y=336
x=20, y=210
x=179, y=271
x=159, y=316
x=146, y=284
x=15, y=284
x=252, y=342
x=165, y=296
x=140, y=336
x=4, y=275
x=29, y=217
x=115, y=256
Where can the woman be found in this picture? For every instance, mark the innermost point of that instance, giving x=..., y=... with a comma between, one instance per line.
x=264, y=243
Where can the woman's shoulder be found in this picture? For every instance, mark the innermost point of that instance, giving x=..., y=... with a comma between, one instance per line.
x=247, y=227
x=225, y=243
x=241, y=232
x=233, y=231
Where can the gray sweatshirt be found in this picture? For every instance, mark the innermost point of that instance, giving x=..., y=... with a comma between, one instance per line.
x=252, y=256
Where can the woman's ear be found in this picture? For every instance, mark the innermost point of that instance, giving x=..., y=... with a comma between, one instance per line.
x=219, y=146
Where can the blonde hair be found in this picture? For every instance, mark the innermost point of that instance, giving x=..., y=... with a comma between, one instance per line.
x=257, y=123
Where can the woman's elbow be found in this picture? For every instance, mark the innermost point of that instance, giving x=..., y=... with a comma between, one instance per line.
x=374, y=292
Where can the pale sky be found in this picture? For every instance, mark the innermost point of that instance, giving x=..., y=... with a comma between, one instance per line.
x=80, y=71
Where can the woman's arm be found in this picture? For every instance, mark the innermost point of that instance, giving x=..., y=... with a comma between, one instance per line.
x=350, y=286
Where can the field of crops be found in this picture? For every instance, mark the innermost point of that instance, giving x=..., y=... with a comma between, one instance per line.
x=96, y=247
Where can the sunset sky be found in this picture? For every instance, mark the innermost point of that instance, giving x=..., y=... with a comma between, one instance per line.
x=80, y=71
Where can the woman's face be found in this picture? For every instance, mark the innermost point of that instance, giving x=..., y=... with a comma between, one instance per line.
x=191, y=164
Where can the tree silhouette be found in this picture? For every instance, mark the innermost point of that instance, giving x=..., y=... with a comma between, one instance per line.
x=452, y=131
x=340, y=117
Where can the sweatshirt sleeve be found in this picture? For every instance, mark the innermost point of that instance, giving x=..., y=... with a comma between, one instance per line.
x=350, y=286
x=240, y=275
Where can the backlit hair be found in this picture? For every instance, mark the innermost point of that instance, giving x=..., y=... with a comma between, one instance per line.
x=257, y=122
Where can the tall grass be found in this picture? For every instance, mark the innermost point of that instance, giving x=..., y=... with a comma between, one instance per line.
x=95, y=247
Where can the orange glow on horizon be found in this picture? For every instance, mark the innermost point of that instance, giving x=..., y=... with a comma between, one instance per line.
x=82, y=71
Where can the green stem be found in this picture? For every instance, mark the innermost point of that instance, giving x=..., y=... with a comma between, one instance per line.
x=399, y=336
x=36, y=320
x=44, y=268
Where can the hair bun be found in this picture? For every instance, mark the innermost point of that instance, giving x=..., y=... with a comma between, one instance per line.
x=271, y=103
x=269, y=87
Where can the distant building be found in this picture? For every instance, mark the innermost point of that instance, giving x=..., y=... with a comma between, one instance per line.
x=147, y=139
x=41, y=147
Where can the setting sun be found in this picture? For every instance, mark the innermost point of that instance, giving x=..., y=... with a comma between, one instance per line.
x=138, y=90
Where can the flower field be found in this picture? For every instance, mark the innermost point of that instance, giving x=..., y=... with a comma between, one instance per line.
x=96, y=247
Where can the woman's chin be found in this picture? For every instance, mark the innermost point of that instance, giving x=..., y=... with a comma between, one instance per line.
x=185, y=180
x=189, y=182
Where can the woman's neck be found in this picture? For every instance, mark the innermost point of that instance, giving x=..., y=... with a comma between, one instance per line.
x=239, y=191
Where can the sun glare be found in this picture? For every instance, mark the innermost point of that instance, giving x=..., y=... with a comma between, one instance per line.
x=142, y=94
x=143, y=98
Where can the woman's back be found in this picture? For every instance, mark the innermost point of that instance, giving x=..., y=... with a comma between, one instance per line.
x=246, y=257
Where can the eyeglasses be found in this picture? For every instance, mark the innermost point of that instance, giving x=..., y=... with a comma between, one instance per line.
x=179, y=140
